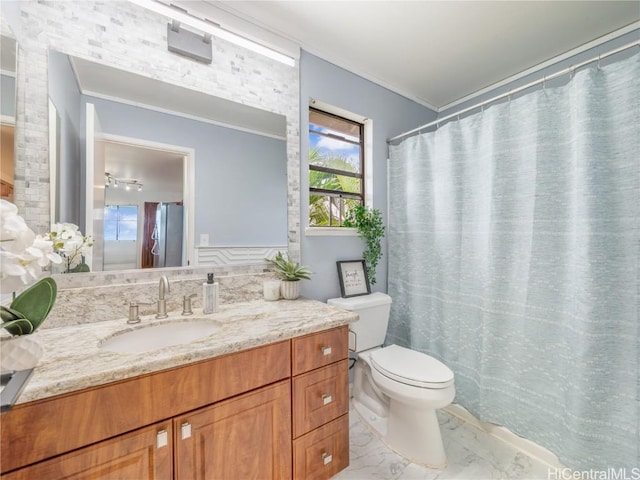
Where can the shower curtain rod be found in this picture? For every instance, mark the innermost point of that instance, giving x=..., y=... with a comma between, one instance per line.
x=542, y=80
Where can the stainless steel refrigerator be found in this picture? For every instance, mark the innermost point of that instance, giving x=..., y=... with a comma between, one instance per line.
x=167, y=236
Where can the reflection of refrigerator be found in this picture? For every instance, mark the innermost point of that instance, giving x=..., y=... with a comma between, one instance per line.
x=167, y=236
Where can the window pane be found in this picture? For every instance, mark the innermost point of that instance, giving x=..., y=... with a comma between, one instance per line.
x=325, y=210
x=330, y=181
x=127, y=222
x=334, y=153
x=110, y=222
x=121, y=222
x=336, y=168
x=319, y=121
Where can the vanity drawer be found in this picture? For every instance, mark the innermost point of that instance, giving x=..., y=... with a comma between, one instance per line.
x=319, y=349
x=320, y=396
x=322, y=453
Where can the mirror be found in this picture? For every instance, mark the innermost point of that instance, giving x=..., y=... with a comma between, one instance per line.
x=127, y=149
x=8, y=67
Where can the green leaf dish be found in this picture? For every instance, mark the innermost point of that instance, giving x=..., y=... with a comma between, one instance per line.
x=8, y=314
x=21, y=326
x=34, y=304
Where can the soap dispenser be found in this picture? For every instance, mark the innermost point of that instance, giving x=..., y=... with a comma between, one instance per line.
x=210, y=295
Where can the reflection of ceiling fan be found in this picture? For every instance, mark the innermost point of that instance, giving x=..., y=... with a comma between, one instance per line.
x=113, y=182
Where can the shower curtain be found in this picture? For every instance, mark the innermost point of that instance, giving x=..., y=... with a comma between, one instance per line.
x=513, y=258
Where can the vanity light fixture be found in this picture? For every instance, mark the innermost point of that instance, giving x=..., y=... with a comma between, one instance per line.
x=206, y=26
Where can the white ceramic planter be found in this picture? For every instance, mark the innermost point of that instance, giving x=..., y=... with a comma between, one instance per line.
x=290, y=290
x=19, y=353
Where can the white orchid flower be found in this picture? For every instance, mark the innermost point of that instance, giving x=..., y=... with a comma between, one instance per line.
x=46, y=248
x=16, y=271
x=15, y=235
x=22, y=253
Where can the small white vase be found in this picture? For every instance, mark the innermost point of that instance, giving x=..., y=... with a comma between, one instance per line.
x=290, y=290
x=271, y=290
x=19, y=353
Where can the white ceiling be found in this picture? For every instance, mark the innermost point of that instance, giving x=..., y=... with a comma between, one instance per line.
x=437, y=52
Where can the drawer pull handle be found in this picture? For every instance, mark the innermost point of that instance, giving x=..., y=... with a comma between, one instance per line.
x=327, y=458
x=186, y=430
x=326, y=399
x=162, y=439
x=326, y=351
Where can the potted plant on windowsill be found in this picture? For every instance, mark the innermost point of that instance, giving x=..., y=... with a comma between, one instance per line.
x=290, y=273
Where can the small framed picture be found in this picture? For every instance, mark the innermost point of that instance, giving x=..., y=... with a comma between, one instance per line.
x=353, y=278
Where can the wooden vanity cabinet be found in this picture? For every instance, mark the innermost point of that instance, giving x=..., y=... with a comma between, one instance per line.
x=246, y=437
x=54, y=429
x=238, y=416
x=320, y=402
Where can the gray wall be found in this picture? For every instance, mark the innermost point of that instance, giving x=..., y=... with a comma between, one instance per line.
x=241, y=178
x=65, y=95
x=391, y=114
x=8, y=95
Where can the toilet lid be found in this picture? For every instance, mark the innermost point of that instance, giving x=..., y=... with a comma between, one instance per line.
x=410, y=367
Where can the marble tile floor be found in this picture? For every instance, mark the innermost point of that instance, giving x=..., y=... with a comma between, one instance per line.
x=472, y=453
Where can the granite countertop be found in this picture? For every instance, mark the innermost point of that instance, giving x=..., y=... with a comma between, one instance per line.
x=73, y=359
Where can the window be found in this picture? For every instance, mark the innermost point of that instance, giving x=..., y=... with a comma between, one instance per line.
x=121, y=222
x=336, y=168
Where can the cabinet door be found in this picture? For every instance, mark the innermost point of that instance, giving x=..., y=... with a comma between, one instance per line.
x=144, y=454
x=246, y=437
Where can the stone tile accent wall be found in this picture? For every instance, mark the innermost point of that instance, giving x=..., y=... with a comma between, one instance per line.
x=126, y=36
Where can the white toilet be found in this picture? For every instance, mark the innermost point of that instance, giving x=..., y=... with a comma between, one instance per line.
x=396, y=390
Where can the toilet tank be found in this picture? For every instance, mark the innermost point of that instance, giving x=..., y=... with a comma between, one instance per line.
x=369, y=331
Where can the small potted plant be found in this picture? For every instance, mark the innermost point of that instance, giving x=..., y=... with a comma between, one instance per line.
x=290, y=273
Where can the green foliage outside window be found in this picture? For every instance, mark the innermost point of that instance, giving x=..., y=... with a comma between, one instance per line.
x=325, y=210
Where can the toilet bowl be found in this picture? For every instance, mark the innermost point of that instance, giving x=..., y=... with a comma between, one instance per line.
x=403, y=412
x=397, y=390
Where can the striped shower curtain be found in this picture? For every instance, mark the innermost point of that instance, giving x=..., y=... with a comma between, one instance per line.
x=513, y=258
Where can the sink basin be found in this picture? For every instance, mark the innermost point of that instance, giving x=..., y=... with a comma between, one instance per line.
x=154, y=337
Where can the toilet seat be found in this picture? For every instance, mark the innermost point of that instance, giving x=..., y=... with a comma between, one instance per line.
x=411, y=368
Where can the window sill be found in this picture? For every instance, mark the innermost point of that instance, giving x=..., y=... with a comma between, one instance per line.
x=330, y=232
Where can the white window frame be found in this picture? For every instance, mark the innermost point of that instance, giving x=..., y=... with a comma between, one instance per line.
x=368, y=168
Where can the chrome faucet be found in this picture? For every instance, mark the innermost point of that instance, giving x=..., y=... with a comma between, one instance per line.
x=162, y=303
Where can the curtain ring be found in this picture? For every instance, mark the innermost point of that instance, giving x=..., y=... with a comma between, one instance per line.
x=599, y=57
x=544, y=82
x=572, y=71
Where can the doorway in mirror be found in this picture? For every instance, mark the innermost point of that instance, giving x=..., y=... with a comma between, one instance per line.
x=144, y=222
